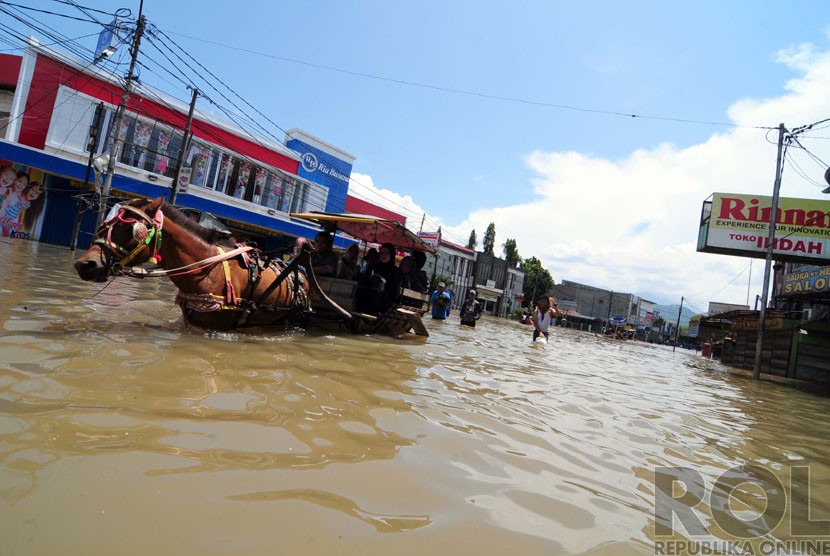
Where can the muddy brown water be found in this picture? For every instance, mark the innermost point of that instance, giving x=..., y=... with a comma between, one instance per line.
x=122, y=432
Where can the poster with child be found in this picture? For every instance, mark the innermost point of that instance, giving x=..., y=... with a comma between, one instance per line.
x=21, y=200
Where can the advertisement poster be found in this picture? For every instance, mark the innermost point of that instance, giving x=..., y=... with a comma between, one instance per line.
x=739, y=224
x=23, y=200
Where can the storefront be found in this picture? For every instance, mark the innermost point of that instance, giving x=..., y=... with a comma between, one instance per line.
x=61, y=103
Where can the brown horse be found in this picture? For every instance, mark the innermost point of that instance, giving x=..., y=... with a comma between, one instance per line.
x=222, y=286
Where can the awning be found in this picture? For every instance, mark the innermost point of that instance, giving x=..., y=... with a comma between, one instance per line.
x=488, y=294
x=368, y=228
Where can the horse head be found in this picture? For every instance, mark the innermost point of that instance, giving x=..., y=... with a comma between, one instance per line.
x=130, y=236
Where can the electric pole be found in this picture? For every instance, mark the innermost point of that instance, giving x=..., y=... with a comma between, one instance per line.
x=773, y=220
x=185, y=147
x=677, y=332
x=119, y=115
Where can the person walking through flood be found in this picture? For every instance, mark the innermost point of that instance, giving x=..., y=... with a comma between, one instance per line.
x=543, y=317
x=441, y=301
x=471, y=309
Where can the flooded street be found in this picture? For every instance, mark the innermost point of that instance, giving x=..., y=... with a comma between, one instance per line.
x=121, y=432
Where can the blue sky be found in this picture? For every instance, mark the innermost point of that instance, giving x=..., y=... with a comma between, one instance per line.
x=600, y=198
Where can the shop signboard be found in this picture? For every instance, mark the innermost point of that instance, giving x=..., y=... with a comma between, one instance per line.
x=322, y=167
x=716, y=307
x=184, y=180
x=738, y=224
x=805, y=282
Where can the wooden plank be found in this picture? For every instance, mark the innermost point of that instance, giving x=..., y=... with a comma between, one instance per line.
x=414, y=320
x=406, y=292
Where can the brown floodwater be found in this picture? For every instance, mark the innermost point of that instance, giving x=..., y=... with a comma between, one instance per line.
x=122, y=432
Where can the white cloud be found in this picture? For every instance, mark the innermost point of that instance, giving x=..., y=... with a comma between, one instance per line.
x=631, y=225
x=363, y=187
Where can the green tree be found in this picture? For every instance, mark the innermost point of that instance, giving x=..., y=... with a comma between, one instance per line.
x=511, y=253
x=490, y=239
x=472, y=243
x=538, y=281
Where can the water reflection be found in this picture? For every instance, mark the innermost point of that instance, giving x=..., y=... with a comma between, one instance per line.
x=475, y=442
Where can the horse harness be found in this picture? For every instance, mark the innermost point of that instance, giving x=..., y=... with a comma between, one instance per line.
x=143, y=235
x=256, y=263
x=252, y=259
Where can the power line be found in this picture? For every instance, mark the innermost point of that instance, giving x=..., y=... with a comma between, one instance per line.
x=29, y=8
x=121, y=12
x=471, y=93
x=62, y=42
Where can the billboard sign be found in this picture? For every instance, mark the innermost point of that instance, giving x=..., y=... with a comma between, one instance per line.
x=814, y=280
x=716, y=307
x=694, y=327
x=321, y=167
x=105, y=47
x=737, y=224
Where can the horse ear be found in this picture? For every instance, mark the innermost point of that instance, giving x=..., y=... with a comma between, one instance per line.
x=156, y=204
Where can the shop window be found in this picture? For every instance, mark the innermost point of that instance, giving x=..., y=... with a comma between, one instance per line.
x=272, y=190
x=226, y=169
x=198, y=158
x=288, y=194
x=214, y=163
x=162, y=152
x=72, y=116
x=259, y=185
x=315, y=198
x=241, y=182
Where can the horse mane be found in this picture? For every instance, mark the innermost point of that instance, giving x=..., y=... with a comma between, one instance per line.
x=208, y=235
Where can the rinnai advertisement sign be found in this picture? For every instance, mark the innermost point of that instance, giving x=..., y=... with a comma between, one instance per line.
x=735, y=224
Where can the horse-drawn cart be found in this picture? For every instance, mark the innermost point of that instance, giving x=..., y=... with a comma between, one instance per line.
x=398, y=320
x=225, y=286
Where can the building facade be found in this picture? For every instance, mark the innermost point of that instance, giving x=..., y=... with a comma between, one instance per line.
x=606, y=305
x=454, y=263
x=251, y=183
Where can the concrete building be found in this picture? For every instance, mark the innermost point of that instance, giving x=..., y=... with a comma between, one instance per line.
x=513, y=291
x=602, y=304
x=499, y=286
x=454, y=262
x=251, y=183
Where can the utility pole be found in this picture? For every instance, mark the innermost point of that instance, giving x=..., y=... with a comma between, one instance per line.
x=610, y=304
x=185, y=147
x=92, y=144
x=677, y=332
x=119, y=115
x=773, y=221
x=421, y=228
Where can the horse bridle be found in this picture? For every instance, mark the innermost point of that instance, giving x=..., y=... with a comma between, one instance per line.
x=143, y=234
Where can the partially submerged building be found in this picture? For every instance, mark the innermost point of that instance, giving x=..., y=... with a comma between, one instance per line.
x=53, y=105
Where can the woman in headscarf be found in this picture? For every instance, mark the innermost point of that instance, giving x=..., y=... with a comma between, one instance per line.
x=387, y=270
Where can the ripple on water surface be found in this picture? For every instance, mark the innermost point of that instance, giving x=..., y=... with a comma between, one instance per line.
x=475, y=441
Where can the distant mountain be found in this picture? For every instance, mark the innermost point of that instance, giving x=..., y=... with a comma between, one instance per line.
x=669, y=313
